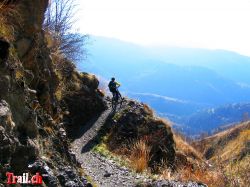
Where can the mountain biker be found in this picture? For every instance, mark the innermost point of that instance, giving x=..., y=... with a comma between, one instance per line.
x=113, y=87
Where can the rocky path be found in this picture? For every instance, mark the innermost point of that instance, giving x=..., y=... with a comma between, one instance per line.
x=104, y=172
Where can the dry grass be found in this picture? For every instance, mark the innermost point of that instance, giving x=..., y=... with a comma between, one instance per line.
x=227, y=144
x=242, y=126
x=190, y=166
x=226, y=172
x=186, y=149
x=194, y=168
x=192, y=172
x=236, y=173
x=241, y=170
x=136, y=153
x=166, y=174
x=203, y=175
x=140, y=156
x=233, y=147
x=229, y=153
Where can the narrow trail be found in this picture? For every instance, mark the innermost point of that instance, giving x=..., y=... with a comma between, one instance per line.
x=104, y=172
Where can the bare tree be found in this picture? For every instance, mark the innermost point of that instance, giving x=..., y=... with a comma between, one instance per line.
x=59, y=21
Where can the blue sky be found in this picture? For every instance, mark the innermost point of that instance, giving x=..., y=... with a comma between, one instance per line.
x=212, y=24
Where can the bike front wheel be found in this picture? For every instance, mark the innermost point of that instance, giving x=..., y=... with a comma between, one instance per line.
x=113, y=103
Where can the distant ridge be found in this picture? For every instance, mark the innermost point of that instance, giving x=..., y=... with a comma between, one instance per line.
x=202, y=77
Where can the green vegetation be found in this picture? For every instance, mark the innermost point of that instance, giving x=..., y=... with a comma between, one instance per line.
x=103, y=150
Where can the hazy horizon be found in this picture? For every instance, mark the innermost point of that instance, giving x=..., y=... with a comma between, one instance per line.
x=92, y=39
x=207, y=24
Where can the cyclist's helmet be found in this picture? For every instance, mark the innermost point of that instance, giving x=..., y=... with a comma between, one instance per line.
x=113, y=78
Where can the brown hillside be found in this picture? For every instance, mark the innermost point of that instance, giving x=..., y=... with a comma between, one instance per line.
x=228, y=144
x=229, y=154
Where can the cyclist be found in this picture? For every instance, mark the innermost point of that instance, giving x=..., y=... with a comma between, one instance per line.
x=113, y=87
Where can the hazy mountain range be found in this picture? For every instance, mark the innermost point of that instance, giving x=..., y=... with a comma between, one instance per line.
x=176, y=82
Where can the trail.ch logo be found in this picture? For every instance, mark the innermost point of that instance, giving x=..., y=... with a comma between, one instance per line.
x=24, y=179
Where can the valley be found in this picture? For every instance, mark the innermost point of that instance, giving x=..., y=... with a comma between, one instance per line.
x=181, y=84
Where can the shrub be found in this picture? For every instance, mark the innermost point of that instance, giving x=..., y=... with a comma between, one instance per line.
x=140, y=155
x=58, y=23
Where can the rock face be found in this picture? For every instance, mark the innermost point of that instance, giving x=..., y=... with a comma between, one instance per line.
x=136, y=122
x=8, y=142
x=31, y=15
x=34, y=121
x=82, y=101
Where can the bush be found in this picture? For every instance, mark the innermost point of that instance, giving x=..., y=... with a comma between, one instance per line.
x=140, y=155
x=58, y=23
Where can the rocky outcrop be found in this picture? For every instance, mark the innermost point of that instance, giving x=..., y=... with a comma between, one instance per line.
x=82, y=101
x=135, y=121
x=15, y=152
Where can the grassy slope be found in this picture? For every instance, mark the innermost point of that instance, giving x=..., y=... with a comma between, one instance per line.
x=229, y=152
x=228, y=144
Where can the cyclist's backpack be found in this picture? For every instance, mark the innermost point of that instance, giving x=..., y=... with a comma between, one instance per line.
x=112, y=86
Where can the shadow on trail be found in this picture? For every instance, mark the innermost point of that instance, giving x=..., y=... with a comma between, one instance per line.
x=82, y=129
x=100, y=133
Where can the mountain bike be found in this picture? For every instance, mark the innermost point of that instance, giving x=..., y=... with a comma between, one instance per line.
x=116, y=100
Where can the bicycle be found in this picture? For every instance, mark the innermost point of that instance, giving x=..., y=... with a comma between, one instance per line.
x=116, y=100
